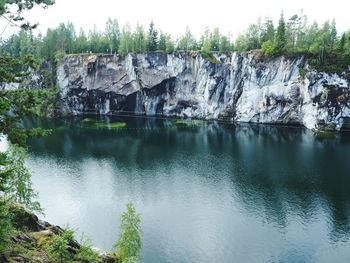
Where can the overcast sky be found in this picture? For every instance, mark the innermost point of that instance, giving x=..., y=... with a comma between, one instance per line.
x=173, y=16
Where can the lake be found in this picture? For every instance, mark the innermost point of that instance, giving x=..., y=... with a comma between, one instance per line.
x=206, y=191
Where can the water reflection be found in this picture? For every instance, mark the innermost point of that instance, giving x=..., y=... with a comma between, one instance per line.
x=208, y=192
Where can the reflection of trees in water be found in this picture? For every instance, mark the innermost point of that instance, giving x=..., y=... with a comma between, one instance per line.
x=274, y=172
x=301, y=179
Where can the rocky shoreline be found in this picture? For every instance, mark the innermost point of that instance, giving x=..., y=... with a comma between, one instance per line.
x=31, y=236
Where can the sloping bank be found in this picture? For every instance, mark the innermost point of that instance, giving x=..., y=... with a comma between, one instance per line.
x=33, y=239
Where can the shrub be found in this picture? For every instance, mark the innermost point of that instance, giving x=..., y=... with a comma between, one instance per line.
x=269, y=48
x=86, y=253
x=57, y=250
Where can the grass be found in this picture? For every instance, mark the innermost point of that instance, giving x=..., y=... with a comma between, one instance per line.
x=100, y=124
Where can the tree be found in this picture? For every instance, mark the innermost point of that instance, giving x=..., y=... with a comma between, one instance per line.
x=125, y=40
x=242, y=43
x=292, y=29
x=97, y=41
x=215, y=40
x=186, y=41
x=342, y=42
x=65, y=38
x=112, y=33
x=280, y=41
x=129, y=243
x=17, y=185
x=11, y=70
x=333, y=33
x=225, y=45
x=253, y=37
x=81, y=44
x=313, y=39
x=268, y=31
x=15, y=14
x=139, y=39
x=5, y=216
x=162, y=41
x=152, y=38
x=169, y=44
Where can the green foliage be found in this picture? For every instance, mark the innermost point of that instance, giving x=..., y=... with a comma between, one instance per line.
x=277, y=46
x=16, y=104
x=58, y=249
x=225, y=45
x=15, y=179
x=214, y=41
x=187, y=42
x=302, y=72
x=162, y=42
x=14, y=9
x=292, y=36
x=129, y=244
x=112, y=33
x=125, y=41
x=15, y=184
x=86, y=253
x=152, y=38
x=169, y=45
x=138, y=40
x=15, y=69
x=210, y=57
x=269, y=48
x=5, y=224
x=59, y=55
x=242, y=43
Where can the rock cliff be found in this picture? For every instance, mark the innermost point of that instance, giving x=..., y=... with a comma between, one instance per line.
x=242, y=87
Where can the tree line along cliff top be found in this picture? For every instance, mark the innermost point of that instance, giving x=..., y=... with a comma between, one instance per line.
x=326, y=48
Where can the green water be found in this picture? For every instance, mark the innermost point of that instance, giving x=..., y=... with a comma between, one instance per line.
x=206, y=192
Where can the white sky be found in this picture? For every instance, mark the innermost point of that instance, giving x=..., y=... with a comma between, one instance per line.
x=173, y=16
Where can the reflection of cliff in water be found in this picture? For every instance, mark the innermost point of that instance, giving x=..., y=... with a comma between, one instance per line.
x=274, y=172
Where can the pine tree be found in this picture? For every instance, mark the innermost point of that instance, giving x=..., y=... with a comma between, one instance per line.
x=280, y=41
x=162, y=41
x=333, y=33
x=342, y=43
x=152, y=38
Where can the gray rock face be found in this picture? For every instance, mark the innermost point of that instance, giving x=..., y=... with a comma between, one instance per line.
x=242, y=87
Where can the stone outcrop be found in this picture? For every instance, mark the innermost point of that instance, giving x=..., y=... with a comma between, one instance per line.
x=241, y=87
